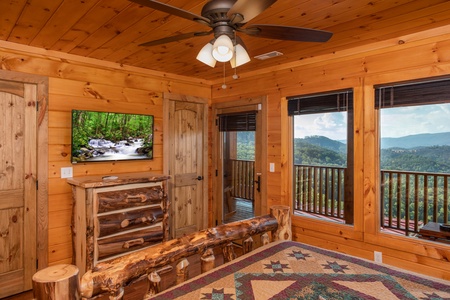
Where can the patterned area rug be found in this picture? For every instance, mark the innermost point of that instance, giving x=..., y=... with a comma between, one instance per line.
x=290, y=270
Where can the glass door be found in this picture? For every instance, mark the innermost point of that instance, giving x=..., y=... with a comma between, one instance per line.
x=239, y=164
x=239, y=176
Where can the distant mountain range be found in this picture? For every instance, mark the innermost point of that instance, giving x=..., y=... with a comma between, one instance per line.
x=417, y=140
x=420, y=152
x=405, y=142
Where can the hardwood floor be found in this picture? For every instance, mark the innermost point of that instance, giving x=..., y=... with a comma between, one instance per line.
x=22, y=296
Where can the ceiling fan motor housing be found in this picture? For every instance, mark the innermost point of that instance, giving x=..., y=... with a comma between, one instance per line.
x=217, y=12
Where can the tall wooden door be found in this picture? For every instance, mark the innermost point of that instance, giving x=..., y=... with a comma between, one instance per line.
x=187, y=165
x=18, y=142
x=240, y=185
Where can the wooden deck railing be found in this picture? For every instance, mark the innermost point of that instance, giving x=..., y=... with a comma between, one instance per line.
x=409, y=199
x=319, y=190
x=242, y=179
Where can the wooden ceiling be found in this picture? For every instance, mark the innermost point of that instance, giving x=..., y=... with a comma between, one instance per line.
x=112, y=30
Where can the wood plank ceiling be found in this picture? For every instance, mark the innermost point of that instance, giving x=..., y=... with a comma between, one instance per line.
x=112, y=30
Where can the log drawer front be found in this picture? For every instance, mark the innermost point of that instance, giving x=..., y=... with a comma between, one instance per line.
x=127, y=219
x=115, y=217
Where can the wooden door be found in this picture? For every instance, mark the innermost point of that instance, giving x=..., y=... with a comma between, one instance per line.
x=17, y=186
x=224, y=206
x=187, y=166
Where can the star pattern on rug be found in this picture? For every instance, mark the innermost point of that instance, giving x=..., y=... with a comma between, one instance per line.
x=216, y=294
x=335, y=267
x=298, y=255
x=276, y=266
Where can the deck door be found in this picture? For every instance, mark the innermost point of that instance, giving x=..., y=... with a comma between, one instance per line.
x=239, y=185
x=17, y=186
x=187, y=155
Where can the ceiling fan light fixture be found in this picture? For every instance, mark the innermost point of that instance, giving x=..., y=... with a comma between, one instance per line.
x=223, y=49
x=241, y=56
x=205, y=55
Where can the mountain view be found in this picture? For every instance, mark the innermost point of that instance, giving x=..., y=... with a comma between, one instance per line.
x=419, y=153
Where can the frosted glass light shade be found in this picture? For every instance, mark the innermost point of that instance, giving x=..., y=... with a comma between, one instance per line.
x=223, y=49
x=205, y=55
x=241, y=57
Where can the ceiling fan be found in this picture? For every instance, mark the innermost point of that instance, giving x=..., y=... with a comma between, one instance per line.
x=226, y=18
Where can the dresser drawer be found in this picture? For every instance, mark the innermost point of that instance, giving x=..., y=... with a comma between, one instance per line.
x=129, y=241
x=127, y=198
x=117, y=222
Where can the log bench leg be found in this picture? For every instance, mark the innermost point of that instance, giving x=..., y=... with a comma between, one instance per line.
x=56, y=282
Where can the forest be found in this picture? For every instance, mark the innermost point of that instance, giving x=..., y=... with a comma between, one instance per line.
x=106, y=135
x=415, y=178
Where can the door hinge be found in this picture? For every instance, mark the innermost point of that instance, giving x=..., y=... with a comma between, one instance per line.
x=217, y=173
x=217, y=223
x=37, y=105
x=37, y=263
x=37, y=184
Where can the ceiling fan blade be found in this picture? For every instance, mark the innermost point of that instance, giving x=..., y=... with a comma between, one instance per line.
x=175, y=38
x=288, y=33
x=244, y=10
x=173, y=11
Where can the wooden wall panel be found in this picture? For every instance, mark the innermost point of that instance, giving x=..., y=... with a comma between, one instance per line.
x=422, y=55
x=92, y=85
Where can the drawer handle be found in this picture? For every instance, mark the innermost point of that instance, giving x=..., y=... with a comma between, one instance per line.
x=132, y=243
x=139, y=198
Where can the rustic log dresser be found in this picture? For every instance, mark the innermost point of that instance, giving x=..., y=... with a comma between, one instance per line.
x=114, y=215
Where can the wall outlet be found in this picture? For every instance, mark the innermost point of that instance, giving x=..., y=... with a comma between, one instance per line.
x=66, y=172
x=378, y=256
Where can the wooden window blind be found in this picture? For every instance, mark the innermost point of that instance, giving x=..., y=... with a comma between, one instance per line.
x=242, y=121
x=431, y=92
x=321, y=103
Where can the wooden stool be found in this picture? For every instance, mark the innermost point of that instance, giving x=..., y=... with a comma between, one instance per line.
x=56, y=282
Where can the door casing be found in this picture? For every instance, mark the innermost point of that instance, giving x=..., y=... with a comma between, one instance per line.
x=259, y=104
x=201, y=186
x=35, y=209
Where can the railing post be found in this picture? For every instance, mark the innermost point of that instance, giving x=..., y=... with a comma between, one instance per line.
x=283, y=216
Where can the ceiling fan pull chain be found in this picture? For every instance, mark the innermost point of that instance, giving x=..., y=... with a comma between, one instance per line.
x=224, y=86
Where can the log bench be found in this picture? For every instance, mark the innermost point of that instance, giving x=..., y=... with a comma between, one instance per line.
x=112, y=276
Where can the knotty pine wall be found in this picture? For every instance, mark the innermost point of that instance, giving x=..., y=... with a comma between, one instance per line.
x=422, y=55
x=76, y=83
x=93, y=84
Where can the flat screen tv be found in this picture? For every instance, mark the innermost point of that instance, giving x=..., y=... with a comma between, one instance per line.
x=107, y=136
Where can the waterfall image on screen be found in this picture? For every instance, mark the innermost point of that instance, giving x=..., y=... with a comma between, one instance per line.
x=107, y=136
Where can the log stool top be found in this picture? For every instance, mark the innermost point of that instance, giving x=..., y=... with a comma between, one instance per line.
x=55, y=282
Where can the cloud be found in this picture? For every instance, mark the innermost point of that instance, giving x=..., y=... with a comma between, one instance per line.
x=403, y=121
x=331, y=125
x=394, y=122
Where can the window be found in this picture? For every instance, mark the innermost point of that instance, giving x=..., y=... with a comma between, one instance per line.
x=414, y=154
x=322, y=144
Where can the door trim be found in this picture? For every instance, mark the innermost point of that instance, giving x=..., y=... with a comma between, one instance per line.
x=167, y=97
x=41, y=176
x=260, y=104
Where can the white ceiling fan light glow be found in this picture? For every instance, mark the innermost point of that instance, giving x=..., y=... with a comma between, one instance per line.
x=241, y=56
x=205, y=55
x=223, y=49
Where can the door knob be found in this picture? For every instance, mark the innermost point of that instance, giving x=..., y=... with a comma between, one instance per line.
x=199, y=178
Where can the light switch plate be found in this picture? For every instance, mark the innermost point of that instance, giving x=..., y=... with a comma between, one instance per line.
x=66, y=172
x=272, y=167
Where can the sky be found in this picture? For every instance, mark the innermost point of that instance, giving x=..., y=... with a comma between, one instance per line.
x=395, y=122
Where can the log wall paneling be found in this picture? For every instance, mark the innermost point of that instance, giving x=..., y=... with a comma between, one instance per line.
x=81, y=83
x=400, y=58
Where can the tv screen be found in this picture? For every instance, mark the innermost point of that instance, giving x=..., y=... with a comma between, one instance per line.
x=106, y=136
